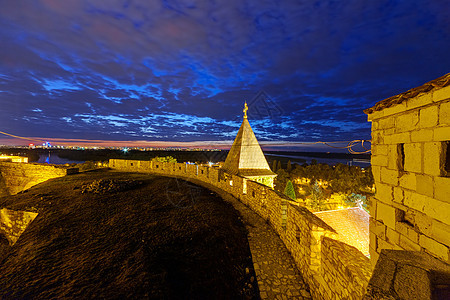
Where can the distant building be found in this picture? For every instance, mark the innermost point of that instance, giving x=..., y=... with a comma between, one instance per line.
x=246, y=157
x=411, y=168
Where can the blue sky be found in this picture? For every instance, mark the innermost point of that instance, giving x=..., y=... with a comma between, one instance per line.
x=181, y=70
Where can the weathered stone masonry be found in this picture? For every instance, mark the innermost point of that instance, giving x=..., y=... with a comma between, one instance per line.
x=332, y=269
x=16, y=177
x=410, y=161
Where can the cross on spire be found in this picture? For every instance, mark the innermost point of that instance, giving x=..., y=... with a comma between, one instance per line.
x=245, y=110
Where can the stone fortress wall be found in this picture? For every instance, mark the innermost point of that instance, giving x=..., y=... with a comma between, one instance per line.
x=332, y=269
x=411, y=168
x=410, y=213
x=16, y=177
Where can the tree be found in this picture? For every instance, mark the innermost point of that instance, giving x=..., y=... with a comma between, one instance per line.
x=274, y=165
x=289, y=166
x=289, y=190
x=316, y=201
x=281, y=180
x=279, y=166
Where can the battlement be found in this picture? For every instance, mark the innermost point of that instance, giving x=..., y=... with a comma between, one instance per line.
x=331, y=268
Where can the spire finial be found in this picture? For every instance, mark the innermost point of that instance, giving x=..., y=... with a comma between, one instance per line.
x=245, y=110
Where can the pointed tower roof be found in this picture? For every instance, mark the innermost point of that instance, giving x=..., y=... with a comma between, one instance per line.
x=246, y=157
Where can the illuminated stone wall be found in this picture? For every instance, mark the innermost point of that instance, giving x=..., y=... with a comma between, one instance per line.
x=410, y=151
x=16, y=177
x=303, y=233
x=14, y=158
x=14, y=222
x=342, y=269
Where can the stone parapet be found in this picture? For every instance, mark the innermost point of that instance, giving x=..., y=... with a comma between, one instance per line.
x=301, y=231
x=344, y=264
x=404, y=275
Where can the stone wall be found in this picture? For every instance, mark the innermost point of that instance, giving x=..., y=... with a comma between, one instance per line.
x=410, y=154
x=16, y=177
x=303, y=233
x=353, y=267
x=404, y=275
x=14, y=222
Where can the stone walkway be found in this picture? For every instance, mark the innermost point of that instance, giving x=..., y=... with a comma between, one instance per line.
x=276, y=272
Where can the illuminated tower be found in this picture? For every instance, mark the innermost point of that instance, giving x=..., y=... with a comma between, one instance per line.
x=246, y=157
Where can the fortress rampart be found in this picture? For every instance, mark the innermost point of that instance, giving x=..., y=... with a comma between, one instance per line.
x=332, y=269
x=16, y=177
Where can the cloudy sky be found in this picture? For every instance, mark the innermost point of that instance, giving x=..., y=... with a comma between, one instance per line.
x=180, y=70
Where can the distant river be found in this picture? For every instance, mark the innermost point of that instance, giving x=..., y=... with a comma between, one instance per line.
x=51, y=158
x=329, y=161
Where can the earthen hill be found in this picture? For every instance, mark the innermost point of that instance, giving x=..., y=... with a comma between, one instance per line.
x=118, y=235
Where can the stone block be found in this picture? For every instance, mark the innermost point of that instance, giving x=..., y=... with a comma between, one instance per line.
x=407, y=121
x=375, y=115
x=423, y=223
x=389, y=131
x=379, y=160
x=398, y=195
x=441, y=133
x=442, y=189
x=395, y=109
x=440, y=232
x=378, y=137
x=419, y=101
x=393, y=236
x=404, y=137
x=375, y=125
x=433, y=247
x=423, y=135
x=417, y=201
x=407, y=244
x=381, y=150
x=386, y=214
x=437, y=209
x=444, y=113
x=402, y=228
x=428, y=117
x=408, y=181
x=412, y=283
x=383, y=275
x=377, y=228
x=413, y=235
x=376, y=170
x=413, y=157
x=441, y=94
x=425, y=184
x=399, y=205
x=384, y=192
x=393, y=157
x=386, y=123
x=389, y=176
x=432, y=153
x=384, y=245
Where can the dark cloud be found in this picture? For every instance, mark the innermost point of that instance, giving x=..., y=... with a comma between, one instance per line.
x=180, y=70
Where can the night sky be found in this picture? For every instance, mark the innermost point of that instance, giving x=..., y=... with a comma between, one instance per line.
x=180, y=70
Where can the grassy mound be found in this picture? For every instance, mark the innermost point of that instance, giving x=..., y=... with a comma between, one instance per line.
x=154, y=237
